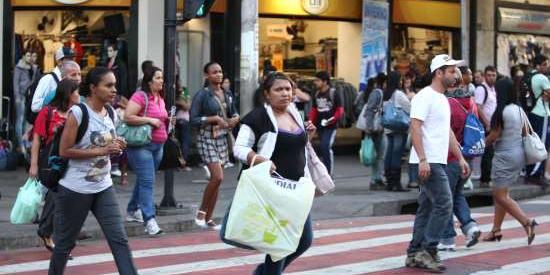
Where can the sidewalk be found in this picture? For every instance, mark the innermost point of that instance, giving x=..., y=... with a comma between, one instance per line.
x=351, y=199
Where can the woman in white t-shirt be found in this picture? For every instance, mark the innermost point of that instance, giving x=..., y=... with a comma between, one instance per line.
x=87, y=184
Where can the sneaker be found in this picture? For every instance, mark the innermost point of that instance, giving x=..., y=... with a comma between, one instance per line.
x=485, y=184
x=152, y=228
x=446, y=247
x=116, y=172
x=207, y=172
x=437, y=259
x=424, y=260
x=228, y=165
x=469, y=185
x=135, y=216
x=472, y=236
x=409, y=262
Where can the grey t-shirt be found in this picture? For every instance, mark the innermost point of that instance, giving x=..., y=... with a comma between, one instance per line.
x=89, y=176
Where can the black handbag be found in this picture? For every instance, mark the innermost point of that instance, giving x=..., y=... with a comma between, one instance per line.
x=172, y=156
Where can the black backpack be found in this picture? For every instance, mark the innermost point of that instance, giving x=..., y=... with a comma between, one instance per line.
x=52, y=166
x=527, y=97
x=30, y=116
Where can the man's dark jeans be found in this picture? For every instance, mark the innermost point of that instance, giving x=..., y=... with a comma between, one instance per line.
x=435, y=207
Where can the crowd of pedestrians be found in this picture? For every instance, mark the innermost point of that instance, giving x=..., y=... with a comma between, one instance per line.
x=86, y=115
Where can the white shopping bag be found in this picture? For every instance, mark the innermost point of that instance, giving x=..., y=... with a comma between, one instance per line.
x=268, y=213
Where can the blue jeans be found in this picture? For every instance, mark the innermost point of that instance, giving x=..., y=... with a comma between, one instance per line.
x=326, y=136
x=537, y=122
x=461, y=209
x=394, y=151
x=435, y=208
x=380, y=147
x=276, y=268
x=145, y=162
x=413, y=174
x=183, y=129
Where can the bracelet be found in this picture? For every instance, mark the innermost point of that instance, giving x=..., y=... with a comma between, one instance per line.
x=422, y=160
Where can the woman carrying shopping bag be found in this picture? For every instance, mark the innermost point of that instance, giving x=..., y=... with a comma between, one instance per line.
x=275, y=132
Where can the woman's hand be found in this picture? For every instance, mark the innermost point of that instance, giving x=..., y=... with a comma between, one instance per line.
x=33, y=171
x=112, y=148
x=155, y=122
x=310, y=128
x=221, y=122
x=233, y=122
x=121, y=142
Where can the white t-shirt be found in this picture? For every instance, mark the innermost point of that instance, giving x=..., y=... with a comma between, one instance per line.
x=490, y=104
x=432, y=108
x=90, y=176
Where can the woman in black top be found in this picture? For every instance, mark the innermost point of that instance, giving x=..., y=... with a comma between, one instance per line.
x=277, y=132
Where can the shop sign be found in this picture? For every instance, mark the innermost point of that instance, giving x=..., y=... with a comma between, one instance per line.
x=315, y=7
x=524, y=21
x=71, y=2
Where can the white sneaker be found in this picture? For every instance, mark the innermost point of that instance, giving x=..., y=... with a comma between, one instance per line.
x=472, y=236
x=469, y=184
x=152, y=228
x=446, y=247
x=116, y=172
x=207, y=172
x=228, y=165
x=136, y=216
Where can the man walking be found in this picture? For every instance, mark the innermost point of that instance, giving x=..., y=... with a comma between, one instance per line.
x=486, y=100
x=540, y=85
x=432, y=138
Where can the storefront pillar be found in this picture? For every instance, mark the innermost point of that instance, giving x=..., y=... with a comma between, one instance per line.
x=249, y=53
x=151, y=33
x=465, y=29
x=485, y=35
x=2, y=67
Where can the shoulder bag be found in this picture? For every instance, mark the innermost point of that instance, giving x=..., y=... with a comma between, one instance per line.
x=136, y=135
x=535, y=150
x=319, y=173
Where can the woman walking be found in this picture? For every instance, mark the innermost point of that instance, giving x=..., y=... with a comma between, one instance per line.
x=87, y=184
x=395, y=139
x=147, y=107
x=277, y=132
x=376, y=132
x=45, y=125
x=507, y=128
x=213, y=112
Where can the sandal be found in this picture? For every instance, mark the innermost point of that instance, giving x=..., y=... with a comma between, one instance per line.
x=529, y=226
x=201, y=222
x=212, y=225
x=494, y=235
x=48, y=243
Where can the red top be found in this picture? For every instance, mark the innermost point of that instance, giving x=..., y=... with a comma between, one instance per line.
x=41, y=121
x=458, y=119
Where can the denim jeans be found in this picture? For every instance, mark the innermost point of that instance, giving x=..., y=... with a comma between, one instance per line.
x=537, y=122
x=379, y=140
x=276, y=268
x=326, y=136
x=435, y=207
x=461, y=209
x=145, y=162
x=71, y=210
x=183, y=130
x=19, y=103
x=413, y=174
x=394, y=151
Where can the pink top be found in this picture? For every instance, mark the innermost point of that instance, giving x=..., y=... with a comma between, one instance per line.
x=155, y=110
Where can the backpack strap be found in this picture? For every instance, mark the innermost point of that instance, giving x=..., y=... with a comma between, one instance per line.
x=486, y=94
x=110, y=112
x=55, y=77
x=83, y=127
x=460, y=104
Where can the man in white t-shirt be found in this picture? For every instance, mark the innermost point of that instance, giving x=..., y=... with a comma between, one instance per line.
x=431, y=138
x=486, y=100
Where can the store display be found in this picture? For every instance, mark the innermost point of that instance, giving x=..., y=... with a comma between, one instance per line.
x=518, y=51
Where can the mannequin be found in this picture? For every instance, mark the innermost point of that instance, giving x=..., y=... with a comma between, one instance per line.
x=23, y=77
x=119, y=69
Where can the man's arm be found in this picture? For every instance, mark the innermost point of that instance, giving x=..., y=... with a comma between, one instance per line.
x=416, y=135
x=483, y=118
x=42, y=89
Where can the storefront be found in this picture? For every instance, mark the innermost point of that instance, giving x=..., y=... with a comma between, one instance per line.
x=421, y=29
x=522, y=32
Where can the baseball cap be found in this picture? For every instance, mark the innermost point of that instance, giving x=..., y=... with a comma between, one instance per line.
x=441, y=60
x=64, y=52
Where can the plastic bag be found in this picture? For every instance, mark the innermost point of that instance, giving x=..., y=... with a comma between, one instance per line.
x=367, y=153
x=267, y=213
x=29, y=198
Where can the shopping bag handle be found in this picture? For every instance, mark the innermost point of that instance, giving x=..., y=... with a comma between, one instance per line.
x=278, y=175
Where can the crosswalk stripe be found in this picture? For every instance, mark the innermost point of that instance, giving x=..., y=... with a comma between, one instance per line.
x=537, y=202
x=314, y=251
x=107, y=257
x=399, y=261
x=525, y=268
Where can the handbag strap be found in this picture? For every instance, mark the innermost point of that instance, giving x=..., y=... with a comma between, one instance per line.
x=146, y=97
x=525, y=121
x=224, y=111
